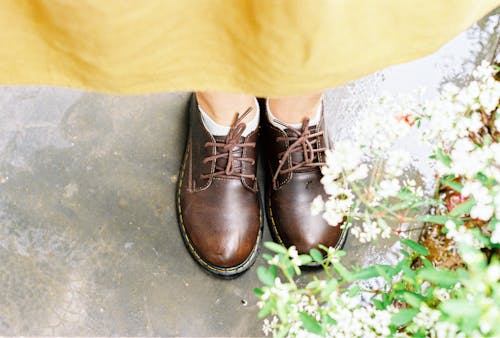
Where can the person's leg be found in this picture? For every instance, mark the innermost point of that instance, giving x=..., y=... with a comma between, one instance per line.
x=221, y=107
x=293, y=109
x=293, y=128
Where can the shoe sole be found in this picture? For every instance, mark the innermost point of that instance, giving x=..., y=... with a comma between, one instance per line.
x=276, y=237
x=223, y=272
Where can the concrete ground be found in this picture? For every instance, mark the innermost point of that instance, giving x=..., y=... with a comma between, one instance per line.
x=89, y=243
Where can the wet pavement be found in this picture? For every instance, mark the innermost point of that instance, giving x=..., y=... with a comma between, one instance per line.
x=89, y=243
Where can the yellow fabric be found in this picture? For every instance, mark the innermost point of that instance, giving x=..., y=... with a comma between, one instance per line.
x=266, y=47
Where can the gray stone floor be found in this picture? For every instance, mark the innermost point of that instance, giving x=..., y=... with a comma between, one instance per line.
x=89, y=243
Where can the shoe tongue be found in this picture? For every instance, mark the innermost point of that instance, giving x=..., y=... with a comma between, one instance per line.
x=237, y=152
x=298, y=155
x=219, y=139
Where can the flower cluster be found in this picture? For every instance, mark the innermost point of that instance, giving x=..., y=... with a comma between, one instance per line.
x=367, y=191
x=463, y=125
x=419, y=302
x=364, y=177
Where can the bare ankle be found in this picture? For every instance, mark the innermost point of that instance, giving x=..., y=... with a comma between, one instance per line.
x=293, y=109
x=222, y=107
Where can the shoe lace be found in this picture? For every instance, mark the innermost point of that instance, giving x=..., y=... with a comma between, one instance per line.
x=231, y=149
x=304, y=142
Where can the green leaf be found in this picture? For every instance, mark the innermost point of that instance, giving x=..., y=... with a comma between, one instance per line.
x=275, y=247
x=483, y=178
x=266, y=309
x=438, y=219
x=401, y=205
x=408, y=273
x=416, y=247
x=423, y=203
x=328, y=320
x=409, y=297
x=450, y=182
x=443, y=158
x=493, y=223
x=366, y=273
x=354, y=290
x=310, y=323
x=267, y=275
x=342, y=271
x=405, y=253
x=305, y=259
x=281, y=311
x=406, y=195
x=379, y=305
x=316, y=255
x=427, y=263
x=331, y=286
x=386, y=271
x=282, y=332
x=313, y=284
x=258, y=292
x=267, y=257
x=463, y=208
x=386, y=299
x=403, y=317
x=460, y=308
x=443, y=278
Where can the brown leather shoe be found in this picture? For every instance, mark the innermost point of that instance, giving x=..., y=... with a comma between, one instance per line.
x=217, y=197
x=294, y=158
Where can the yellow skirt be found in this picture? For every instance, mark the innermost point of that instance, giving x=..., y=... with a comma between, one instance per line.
x=261, y=47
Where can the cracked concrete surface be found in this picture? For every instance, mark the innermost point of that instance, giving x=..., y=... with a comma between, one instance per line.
x=89, y=243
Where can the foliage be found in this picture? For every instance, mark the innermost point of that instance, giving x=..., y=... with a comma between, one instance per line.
x=366, y=183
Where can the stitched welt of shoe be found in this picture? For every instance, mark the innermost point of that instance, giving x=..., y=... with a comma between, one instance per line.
x=220, y=222
x=294, y=175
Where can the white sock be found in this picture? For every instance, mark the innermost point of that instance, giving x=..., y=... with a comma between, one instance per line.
x=217, y=129
x=312, y=122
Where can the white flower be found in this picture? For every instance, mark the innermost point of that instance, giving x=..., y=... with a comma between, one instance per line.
x=389, y=188
x=461, y=234
x=367, y=232
x=397, y=161
x=441, y=294
x=338, y=205
x=482, y=211
x=427, y=317
x=331, y=184
x=385, y=121
x=269, y=326
x=495, y=235
x=361, y=172
x=445, y=330
x=354, y=320
x=450, y=225
x=317, y=205
x=345, y=156
x=292, y=252
x=333, y=218
x=493, y=273
x=488, y=99
x=450, y=89
x=274, y=261
x=476, y=189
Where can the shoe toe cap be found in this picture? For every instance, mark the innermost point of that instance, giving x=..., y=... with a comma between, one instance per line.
x=295, y=225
